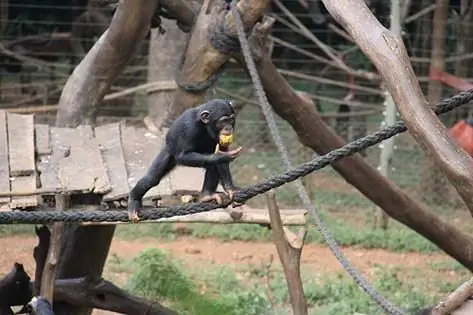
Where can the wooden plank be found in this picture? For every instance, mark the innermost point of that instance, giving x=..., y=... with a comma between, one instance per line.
x=82, y=171
x=185, y=178
x=21, y=144
x=21, y=184
x=109, y=140
x=43, y=141
x=140, y=148
x=49, y=165
x=4, y=163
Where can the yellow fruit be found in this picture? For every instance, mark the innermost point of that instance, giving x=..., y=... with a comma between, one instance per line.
x=225, y=140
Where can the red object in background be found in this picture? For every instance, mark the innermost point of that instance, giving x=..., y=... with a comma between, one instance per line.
x=462, y=132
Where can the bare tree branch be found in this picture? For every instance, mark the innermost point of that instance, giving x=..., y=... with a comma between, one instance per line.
x=454, y=300
x=389, y=55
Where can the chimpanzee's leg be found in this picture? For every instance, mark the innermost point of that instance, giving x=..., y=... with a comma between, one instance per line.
x=209, y=187
x=227, y=181
x=161, y=166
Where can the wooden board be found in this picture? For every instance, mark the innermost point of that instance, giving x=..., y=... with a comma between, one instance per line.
x=76, y=163
x=4, y=163
x=49, y=165
x=42, y=139
x=21, y=184
x=187, y=179
x=109, y=140
x=140, y=148
x=21, y=144
x=83, y=170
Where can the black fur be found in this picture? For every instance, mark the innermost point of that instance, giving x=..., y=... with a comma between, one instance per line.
x=191, y=142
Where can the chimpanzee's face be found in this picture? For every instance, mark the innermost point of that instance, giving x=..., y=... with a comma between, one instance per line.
x=219, y=117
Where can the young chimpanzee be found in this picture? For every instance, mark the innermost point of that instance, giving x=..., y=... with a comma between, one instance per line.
x=192, y=141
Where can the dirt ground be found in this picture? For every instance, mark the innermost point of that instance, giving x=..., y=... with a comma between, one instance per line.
x=316, y=258
x=211, y=251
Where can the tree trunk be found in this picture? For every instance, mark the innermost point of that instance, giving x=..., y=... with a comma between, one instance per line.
x=85, y=249
x=165, y=55
x=433, y=182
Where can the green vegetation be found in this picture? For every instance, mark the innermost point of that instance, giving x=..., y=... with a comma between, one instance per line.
x=219, y=289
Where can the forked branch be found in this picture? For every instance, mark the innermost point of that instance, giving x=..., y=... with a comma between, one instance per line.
x=289, y=248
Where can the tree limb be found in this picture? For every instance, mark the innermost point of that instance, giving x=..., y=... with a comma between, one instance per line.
x=91, y=79
x=454, y=300
x=315, y=134
x=389, y=55
x=95, y=292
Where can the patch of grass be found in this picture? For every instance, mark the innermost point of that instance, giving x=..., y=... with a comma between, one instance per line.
x=338, y=294
x=398, y=238
x=219, y=290
x=160, y=278
x=16, y=229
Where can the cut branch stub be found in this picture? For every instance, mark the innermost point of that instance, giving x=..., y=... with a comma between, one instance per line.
x=389, y=55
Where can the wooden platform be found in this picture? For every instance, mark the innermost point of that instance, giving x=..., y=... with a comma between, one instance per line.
x=107, y=160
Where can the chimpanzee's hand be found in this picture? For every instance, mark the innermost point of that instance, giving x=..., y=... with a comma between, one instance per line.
x=134, y=207
x=229, y=156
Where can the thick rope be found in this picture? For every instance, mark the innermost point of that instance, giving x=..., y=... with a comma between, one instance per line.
x=301, y=191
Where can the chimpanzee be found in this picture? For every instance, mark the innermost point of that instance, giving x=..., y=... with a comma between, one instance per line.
x=200, y=137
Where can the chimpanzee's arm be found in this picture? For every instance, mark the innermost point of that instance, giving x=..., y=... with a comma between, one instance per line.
x=194, y=159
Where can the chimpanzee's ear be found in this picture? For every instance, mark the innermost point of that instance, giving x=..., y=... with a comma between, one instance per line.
x=231, y=104
x=205, y=116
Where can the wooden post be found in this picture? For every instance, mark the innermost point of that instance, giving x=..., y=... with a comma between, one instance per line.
x=390, y=113
x=49, y=273
x=289, y=247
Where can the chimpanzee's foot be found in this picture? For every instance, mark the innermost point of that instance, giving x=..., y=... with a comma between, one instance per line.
x=231, y=193
x=211, y=197
x=134, y=207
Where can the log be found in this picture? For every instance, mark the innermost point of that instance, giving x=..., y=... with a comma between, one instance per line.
x=388, y=54
x=95, y=292
x=315, y=134
x=455, y=299
x=289, y=217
